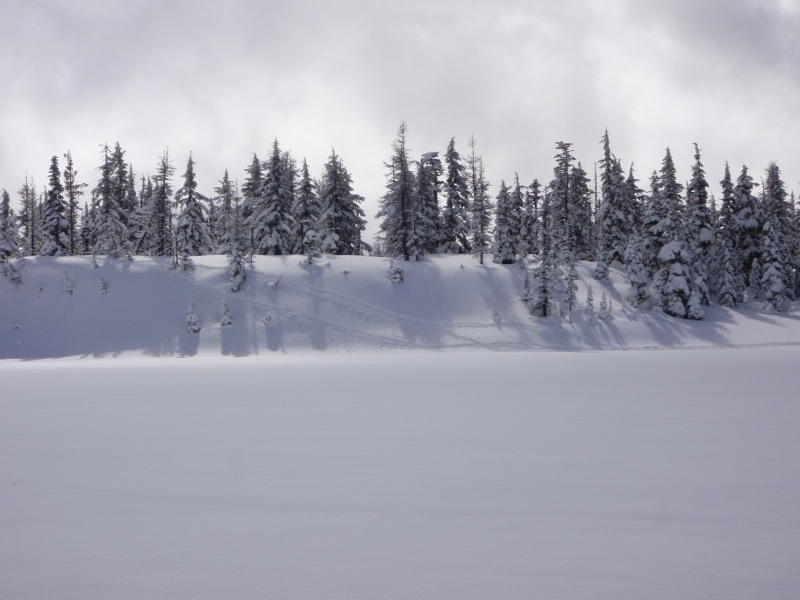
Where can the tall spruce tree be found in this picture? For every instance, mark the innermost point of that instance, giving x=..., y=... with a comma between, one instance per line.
x=108, y=228
x=271, y=218
x=455, y=216
x=613, y=225
x=730, y=276
x=30, y=220
x=481, y=208
x=529, y=223
x=698, y=228
x=306, y=212
x=506, y=238
x=9, y=233
x=341, y=219
x=777, y=251
x=72, y=195
x=161, y=215
x=55, y=226
x=398, y=203
x=191, y=231
x=749, y=223
x=427, y=221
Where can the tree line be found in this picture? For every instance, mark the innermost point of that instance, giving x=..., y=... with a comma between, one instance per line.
x=678, y=246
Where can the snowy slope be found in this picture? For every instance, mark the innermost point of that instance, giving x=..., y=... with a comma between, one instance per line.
x=342, y=303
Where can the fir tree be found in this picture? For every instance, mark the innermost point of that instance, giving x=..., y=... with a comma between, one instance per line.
x=221, y=223
x=29, y=218
x=506, y=238
x=777, y=252
x=529, y=222
x=55, y=226
x=571, y=289
x=749, y=222
x=729, y=274
x=602, y=313
x=674, y=281
x=108, y=229
x=103, y=285
x=456, y=223
x=341, y=218
x=225, y=319
x=306, y=212
x=635, y=273
x=426, y=212
x=481, y=208
x=161, y=216
x=271, y=219
x=192, y=323
x=613, y=224
x=398, y=203
x=191, y=232
x=72, y=193
x=581, y=222
x=9, y=233
x=562, y=205
x=698, y=229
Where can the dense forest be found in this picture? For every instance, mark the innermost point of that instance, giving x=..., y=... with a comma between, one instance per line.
x=680, y=246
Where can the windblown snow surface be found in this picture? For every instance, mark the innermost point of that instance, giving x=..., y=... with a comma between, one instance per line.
x=304, y=452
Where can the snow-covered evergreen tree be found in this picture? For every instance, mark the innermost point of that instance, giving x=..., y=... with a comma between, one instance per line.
x=590, y=301
x=103, y=285
x=396, y=273
x=749, y=223
x=636, y=273
x=571, y=289
x=481, y=207
x=777, y=251
x=613, y=224
x=426, y=213
x=271, y=220
x=506, y=228
x=729, y=274
x=529, y=222
x=562, y=206
x=72, y=194
x=192, y=233
x=225, y=319
x=30, y=221
x=398, y=203
x=55, y=226
x=602, y=312
x=581, y=222
x=675, y=283
x=306, y=212
x=698, y=228
x=9, y=233
x=341, y=219
x=192, y=322
x=456, y=223
x=108, y=229
x=66, y=284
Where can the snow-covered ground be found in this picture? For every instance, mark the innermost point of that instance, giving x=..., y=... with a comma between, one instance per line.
x=341, y=304
x=285, y=457
x=403, y=475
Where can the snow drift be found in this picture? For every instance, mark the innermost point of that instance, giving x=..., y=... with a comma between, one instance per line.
x=67, y=307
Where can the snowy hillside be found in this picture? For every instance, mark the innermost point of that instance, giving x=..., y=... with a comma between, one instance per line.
x=342, y=303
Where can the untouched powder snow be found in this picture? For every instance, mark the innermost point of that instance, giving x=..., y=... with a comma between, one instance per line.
x=403, y=475
x=341, y=304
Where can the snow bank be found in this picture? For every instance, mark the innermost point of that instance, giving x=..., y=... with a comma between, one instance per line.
x=340, y=304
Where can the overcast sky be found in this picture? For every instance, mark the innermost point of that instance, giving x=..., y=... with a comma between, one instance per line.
x=224, y=78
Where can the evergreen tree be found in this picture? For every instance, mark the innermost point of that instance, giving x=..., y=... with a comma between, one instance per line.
x=9, y=233
x=398, y=203
x=223, y=219
x=481, y=208
x=571, y=289
x=271, y=219
x=30, y=218
x=580, y=200
x=72, y=192
x=529, y=222
x=192, y=322
x=251, y=188
x=306, y=212
x=674, y=281
x=160, y=226
x=777, y=251
x=108, y=229
x=225, y=314
x=749, y=222
x=730, y=277
x=562, y=205
x=191, y=232
x=506, y=238
x=55, y=226
x=654, y=215
x=341, y=218
x=636, y=273
x=613, y=223
x=698, y=229
x=426, y=213
x=456, y=224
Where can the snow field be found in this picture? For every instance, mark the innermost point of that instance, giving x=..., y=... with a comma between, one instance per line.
x=399, y=475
